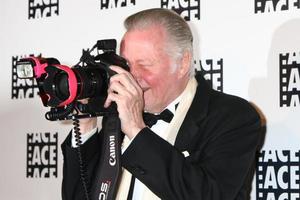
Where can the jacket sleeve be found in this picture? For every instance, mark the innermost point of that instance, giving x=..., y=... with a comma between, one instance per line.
x=72, y=186
x=215, y=169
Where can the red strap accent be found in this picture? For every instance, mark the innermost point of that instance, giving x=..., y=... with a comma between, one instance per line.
x=39, y=68
x=72, y=80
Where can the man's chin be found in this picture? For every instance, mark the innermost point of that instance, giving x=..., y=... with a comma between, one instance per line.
x=148, y=108
x=149, y=102
x=151, y=108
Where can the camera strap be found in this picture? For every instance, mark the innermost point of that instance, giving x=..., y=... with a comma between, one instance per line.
x=106, y=178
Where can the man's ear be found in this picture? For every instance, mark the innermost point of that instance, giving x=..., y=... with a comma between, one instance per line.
x=185, y=63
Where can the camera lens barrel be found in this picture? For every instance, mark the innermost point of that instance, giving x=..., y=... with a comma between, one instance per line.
x=63, y=85
x=92, y=82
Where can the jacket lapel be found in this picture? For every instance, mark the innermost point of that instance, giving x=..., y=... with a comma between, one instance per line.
x=196, y=113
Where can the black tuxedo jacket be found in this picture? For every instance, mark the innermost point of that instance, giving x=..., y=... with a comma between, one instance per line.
x=220, y=133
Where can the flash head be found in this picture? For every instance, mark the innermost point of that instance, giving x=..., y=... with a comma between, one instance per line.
x=25, y=69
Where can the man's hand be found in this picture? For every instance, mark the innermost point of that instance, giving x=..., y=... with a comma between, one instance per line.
x=128, y=95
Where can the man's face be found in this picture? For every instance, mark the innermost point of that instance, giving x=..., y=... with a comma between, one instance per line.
x=151, y=67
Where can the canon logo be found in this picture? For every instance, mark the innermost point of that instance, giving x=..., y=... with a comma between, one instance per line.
x=112, y=151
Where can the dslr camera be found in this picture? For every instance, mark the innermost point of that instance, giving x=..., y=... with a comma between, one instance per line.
x=60, y=86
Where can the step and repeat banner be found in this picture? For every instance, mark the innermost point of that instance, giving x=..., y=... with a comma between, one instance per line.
x=249, y=48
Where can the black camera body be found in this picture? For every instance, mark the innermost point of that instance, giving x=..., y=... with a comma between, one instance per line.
x=60, y=87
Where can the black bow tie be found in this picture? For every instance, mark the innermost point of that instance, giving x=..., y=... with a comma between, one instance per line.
x=151, y=119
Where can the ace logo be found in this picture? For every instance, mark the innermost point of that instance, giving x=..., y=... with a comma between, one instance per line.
x=107, y=4
x=289, y=73
x=212, y=70
x=42, y=8
x=271, y=6
x=189, y=10
x=277, y=175
x=42, y=155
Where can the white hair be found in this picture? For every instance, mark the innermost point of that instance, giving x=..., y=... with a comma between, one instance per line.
x=179, y=35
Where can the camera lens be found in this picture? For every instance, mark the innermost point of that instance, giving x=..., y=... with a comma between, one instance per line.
x=91, y=82
x=61, y=85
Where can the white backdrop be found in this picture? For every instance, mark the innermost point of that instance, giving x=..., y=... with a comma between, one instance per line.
x=250, y=49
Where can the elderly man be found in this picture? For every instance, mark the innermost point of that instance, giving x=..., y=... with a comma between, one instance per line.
x=206, y=146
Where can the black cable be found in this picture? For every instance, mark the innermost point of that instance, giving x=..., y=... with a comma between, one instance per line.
x=59, y=113
x=82, y=169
